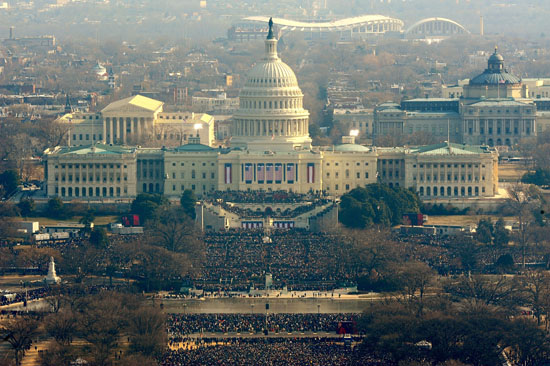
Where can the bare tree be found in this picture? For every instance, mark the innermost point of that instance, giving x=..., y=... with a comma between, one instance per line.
x=175, y=231
x=147, y=331
x=537, y=286
x=19, y=333
x=485, y=289
x=524, y=199
x=62, y=327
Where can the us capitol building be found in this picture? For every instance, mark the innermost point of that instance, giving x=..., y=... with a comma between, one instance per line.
x=270, y=150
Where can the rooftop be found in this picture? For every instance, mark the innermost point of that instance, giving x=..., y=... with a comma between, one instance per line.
x=449, y=149
x=351, y=148
x=499, y=103
x=193, y=148
x=137, y=101
x=94, y=149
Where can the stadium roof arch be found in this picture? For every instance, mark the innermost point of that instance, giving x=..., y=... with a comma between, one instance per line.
x=436, y=26
x=359, y=24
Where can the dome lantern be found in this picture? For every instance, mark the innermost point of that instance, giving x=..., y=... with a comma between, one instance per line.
x=496, y=62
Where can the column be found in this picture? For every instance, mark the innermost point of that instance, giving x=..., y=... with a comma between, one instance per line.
x=124, y=128
x=104, y=137
x=111, y=138
x=116, y=136
x=132, y=128
x=139, y=123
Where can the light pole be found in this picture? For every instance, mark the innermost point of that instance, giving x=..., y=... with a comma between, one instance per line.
x=319, y=315
x=266, y=309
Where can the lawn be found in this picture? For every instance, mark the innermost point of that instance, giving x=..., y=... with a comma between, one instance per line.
x=511, y=172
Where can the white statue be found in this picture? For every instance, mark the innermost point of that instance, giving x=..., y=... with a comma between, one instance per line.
x=52, y=277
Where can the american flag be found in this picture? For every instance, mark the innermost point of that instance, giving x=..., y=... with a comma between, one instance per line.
x=261, y=173
x=290, y=173
x=227, y=173
x=310, y=173
x=248, y=172
x=278, y=172
x=269, y=172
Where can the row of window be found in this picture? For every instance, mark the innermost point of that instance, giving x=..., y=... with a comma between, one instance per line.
x=193, y=188
x=450, y=191
x=498, y=111
x=283, y=104
x=193, y=175
x=90, y=166
x=347, y=174
x=449, y=176
x=86, y=137
x=91, y=178
x=91, y=191
x=347, y=164
x=193, y=164
x=435, y=165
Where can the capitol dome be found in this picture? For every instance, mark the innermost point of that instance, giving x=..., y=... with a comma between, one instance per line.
x=271, y=114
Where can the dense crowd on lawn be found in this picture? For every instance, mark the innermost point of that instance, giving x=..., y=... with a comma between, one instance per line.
x=272, y=352
x=180, y=325
x=296, y=258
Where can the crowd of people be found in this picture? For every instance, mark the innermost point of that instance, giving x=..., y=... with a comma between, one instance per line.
x=180, y=325
x=259, y=196
x=272, y=352
x=287, y=213
x=21, y=296
x=296, y=258
x=296, y=204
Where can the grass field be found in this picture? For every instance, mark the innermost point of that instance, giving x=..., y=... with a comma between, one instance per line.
x=511, y=172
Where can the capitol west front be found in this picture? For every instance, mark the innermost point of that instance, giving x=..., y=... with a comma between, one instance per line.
x=270, y=150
